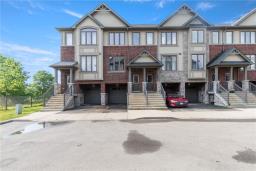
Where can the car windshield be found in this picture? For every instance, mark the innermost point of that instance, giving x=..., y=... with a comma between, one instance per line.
x=174, y=95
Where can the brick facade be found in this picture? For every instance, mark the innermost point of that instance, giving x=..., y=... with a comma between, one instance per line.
x=129, y=52
x=67, y=53
x=245, y=49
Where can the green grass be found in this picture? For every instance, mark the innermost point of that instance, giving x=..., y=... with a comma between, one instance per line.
x=10, y=112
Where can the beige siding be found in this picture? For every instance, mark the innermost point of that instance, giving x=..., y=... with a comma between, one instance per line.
x=107, y=19
x=179, y=19
x=250, y=21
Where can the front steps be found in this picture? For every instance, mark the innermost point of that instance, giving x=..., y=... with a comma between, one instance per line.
x=251, y=100
x=55, y=103
x=235, y=99
x=137, y=101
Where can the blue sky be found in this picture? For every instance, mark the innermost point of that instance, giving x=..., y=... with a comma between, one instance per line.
x=27, y=27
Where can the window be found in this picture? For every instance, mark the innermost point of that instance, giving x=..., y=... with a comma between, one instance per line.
x=247, y=37
x=197, y=62
x=229, y=37
x=215, y=37
x=116, y=38
x=69, y=40
x=253, y=59
x=135, y=78
x=116, y=63
x=136, y=38
x=89, y=63
x=88, y=36
x=168, y=38
x=169, y=62
x=149, y=38
x=198, y=36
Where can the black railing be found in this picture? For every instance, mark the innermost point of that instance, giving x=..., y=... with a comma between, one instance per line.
x=151, y=86
x=210, y=86
x=136, y=87
x=224, y=84
x=223, y=92
x=48, y=94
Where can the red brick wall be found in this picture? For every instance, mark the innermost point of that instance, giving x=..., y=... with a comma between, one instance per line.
x=129, y=52
x=67, y=53
x=245, y=49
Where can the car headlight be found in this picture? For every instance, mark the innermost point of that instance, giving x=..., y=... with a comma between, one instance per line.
x=174, y=101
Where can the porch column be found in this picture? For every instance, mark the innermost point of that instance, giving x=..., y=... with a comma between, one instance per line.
x=216, y=79
x=55, y=91
x=182, y=88
x=245, y=82
x=158, y=82
x=71, y=83
x=231, y=81
x=103, y=94
x=129, y=80
x=144, y=83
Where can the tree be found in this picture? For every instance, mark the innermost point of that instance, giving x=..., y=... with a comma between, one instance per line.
x=12, y=77
x=42, y=81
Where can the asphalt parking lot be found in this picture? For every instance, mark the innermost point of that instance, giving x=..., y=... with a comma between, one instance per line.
x=140, y=144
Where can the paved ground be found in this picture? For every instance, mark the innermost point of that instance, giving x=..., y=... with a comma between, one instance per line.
x=140, y=144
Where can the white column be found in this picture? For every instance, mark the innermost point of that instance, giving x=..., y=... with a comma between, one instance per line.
x=231, y=81
x=245, y=82
x=56, y=82
x=144, y=83
x=216, y=79
x=129, y=80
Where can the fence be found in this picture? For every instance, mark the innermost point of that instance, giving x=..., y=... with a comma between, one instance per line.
x=10, y=101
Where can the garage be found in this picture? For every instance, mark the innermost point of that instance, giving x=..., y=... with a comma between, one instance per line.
x=171, y=88
x=117, y=94
x=91, y=94
x=194, y=92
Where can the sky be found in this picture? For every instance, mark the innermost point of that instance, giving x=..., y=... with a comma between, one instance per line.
x=28, y=34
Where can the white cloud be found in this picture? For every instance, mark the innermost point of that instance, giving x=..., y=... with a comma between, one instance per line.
x=23, y=49
x=204, y=6
x=162, y=3
x=72, y=13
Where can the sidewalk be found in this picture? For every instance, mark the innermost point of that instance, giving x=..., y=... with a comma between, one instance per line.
x=194, y=114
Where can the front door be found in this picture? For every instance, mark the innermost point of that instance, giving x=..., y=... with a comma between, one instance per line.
x=136, y=86
x=150, y=82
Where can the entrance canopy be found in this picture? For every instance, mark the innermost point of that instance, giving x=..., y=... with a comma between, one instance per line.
x=64, y=65
x=230, y=57
x=145, y=59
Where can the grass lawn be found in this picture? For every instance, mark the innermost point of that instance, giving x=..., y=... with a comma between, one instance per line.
x=10, y=112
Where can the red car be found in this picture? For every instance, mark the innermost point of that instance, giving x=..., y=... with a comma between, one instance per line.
x=176, y=101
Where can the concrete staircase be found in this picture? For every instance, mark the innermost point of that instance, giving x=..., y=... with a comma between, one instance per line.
x=137, y=101
x=55, y=103
x=235, y=100
x=251, y=99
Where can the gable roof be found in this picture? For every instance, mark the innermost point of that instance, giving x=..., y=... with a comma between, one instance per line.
x=173, y=14
x=244, y=17
x=103, y=5
x=196, y=17
x=156, y=62
x=220, y=59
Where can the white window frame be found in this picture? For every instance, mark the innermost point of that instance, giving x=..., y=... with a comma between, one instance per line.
x=171, y=57
x=147, y=38
x=88, y=36
x=88, y=63
x=116, y=38
x=197, y=62
x=168, y=38
x=114, y=59
x=197, y=36
x=68, y=39
x=247, y=37
x=253, y=59
x=215, y=40
x=133, y=38
x=227, y=38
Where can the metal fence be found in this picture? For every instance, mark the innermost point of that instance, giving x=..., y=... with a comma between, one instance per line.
x=10, y=101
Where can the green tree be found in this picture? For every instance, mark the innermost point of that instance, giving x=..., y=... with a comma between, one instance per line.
x=42, y=81
x=12, y=77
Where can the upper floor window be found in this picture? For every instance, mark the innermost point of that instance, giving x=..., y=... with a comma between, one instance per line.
x=88, y=36
x=169, y=62
x=116, y=38
x=215, y=37
x=68, y=39
x=135, y=38
x=116, y=63
x=197, y=36
x=197, y=62
x=149, y=38
x=253, y=59
x=247, y=37
x=229, y=37
x=168, y=38
x=89, y=63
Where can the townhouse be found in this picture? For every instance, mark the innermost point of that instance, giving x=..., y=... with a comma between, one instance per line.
x=106, y=60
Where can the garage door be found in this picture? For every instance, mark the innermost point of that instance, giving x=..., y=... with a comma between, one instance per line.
x=92, y=95
x=192, y=95
x=117, y=94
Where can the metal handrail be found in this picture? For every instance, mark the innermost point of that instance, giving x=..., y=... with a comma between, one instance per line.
x=252, y=87
x=237, y=87
x=242, y=94
x=48, y=94
x=146, y=92
x=221, y=89
x=68, y=95
x=162, y=91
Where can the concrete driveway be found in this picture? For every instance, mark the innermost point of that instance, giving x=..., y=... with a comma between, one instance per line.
x=140, y=144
